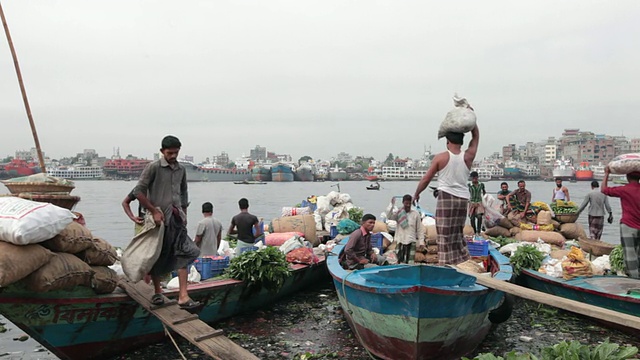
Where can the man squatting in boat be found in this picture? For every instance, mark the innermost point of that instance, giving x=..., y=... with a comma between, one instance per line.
x=453, y=167
x=162, y=190
x=358, y=253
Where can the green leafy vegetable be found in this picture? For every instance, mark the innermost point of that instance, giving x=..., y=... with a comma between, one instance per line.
x=266, y=268
x=571, y=351
x=526, y=257
x=616, y=259
x=355, y=214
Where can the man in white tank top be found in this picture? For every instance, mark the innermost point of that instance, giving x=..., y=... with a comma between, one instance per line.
x=452, y=167
x=560, y=192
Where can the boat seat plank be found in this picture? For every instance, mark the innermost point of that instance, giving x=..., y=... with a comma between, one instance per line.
x=209, y=340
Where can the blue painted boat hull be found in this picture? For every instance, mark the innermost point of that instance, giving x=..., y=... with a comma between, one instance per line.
x=416, y=312
x=78, y=324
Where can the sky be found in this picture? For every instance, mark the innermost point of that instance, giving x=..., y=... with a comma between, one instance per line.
x=314, y=77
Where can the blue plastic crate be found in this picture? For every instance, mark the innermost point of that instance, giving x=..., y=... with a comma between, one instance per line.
x=376, y=241
x=478, y=247
x=209, y=267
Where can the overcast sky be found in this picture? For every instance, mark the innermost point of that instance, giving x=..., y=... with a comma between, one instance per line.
x=314, y=77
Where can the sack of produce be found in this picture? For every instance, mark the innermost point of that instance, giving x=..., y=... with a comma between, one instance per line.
x=536, y=227
x=18, y=261
x=492, y=217
x=572, y=231
x=431, y=234
x=497, y=231
x=460, y=119
x=299, y=223
x=143, y=250
x=514, y=231
x=63, y=271
x=550, y=237
x=380, y=227
x=101, y=253
x=104, y=280
x=625, y=164
x=576, y=265
x=544, y=218
x=302, y=255
x=25, y=222
x=73, y=239
x=277, y=239
x=468, y=230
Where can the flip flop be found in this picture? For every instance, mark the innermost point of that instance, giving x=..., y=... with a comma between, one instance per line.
x=158, y=299
x=189, y=305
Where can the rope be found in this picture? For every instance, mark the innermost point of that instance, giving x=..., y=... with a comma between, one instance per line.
x=166, y=331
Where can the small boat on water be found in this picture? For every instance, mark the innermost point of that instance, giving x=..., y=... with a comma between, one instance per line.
x=418, y=311
x=78, y=324
x=618, y=293
x=374, y=186
x=250, y=182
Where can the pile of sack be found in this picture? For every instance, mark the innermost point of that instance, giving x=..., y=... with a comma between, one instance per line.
x=331, y=209
x=47, y=248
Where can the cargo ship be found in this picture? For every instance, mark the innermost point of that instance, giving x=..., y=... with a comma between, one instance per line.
x=213, y=173
x=337, y=174
x=563, y=170
x=281, y=172
x=124, y=168
x=261, y=172
x=17, y=168
x=584, y=172
x=304, y=172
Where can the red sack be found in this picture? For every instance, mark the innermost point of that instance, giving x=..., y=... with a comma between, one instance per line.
x=302, y=255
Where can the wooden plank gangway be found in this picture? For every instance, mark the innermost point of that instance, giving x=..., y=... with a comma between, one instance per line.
x=188, y=325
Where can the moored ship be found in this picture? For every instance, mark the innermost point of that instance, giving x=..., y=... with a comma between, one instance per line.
x=337, y=174
x=18, y=167
x=584, y=172
x=213, y=173
x=76, y=172
x=304, y=172
x=261, y=172
x=563, y=170
x=124, y=168
x=281, y=172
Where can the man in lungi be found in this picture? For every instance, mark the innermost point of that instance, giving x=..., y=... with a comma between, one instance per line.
x=476, y=209
x=599, y=202
x=162, y=190
x=452, y=167
x=629, y=195
x=409, y=231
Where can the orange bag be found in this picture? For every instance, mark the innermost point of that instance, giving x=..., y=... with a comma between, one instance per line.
x=302, y=255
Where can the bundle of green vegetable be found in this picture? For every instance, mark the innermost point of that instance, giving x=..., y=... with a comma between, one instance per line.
x=616, y=259
x=355, y=214
x=560, y=207
x=526, y=257
x=571, y=350
x=502, y=240
x=267, y=268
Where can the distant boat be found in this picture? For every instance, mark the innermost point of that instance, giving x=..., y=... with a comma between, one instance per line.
x=584, y=172
x=337, y=174
x=250, y=182
x=304, y=172
x=76, y=172
x=261, y=172
x=281, y=172
x=375, y=186
x=212, y=172
x=563, y=169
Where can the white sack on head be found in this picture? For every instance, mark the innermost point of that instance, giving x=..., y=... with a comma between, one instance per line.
x=625, y=164
x=460, y=119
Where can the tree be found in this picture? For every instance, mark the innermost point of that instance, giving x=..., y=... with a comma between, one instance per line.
x=7, y=159
x=305, y=158
x=231, y=165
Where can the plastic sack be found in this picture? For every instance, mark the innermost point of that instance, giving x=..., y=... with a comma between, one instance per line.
x=323, y=205
x=291, y=244
x=302, y=255
x=576, y=265
x=277, y=239
x=625, y=164
x=318, y=219
x=460, y=119
x=347, y=226
x=491, y=217
x=193, y=276
x=293, y=211
x=143, y=251
x=224, y=246
x=25, y=222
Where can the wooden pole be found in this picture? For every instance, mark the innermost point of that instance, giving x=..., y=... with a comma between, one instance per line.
x=577, y=307
x=24, y=92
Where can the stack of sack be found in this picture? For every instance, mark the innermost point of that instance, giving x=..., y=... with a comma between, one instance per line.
x=330, y=209
x=45, y=249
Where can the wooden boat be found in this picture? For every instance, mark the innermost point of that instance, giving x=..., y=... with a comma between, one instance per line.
x=418, y=311
x=373, y=187
x=79, y=324
x=250, y=182
x=618, y=293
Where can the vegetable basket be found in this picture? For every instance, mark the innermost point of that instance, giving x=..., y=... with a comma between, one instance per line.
x=567, y=218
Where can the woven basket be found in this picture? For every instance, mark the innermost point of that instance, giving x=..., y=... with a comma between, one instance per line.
x=63, y=200
x=567, y=218
x=37, y=187
x=596, y=247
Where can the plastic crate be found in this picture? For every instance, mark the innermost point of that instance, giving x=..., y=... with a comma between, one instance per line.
x=209, y=267
x=250, y=248
x=376, y=241
x=478, y=247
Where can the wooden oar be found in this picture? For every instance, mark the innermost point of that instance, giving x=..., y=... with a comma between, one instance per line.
x=577, y=307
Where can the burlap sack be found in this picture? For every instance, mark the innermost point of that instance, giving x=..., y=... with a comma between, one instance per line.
x=63, y=271
x=104, y=280
x=558, y=254
x=432, y=249
x=505, y=223
x=18, y=261
x=100, y=254
x=514, y=218
x=471, y=267
x=544, y=218
x=73, y=239
x=550, y=237
x=305, y=224
x=556, y=224
x=426, y=258
x=380, y=227
x=431, y=233
x=497, y=231
x=572, y=231
x=468, y=230
x=514, y=231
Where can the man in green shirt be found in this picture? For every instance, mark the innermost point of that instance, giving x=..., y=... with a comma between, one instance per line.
x=476, y=210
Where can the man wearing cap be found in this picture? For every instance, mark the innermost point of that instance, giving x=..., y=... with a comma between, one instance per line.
x=453, y=167
x=208, y=232
x=599, y=202
x=358, y=253
x=162, y=190
x=629, y=195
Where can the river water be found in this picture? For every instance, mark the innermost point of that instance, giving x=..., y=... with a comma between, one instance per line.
x=101, y=208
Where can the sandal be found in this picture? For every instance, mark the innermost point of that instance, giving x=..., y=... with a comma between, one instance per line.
x=158, y=299
x=189, y=305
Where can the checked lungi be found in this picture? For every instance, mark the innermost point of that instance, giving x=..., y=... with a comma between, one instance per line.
x=451, y=215
x=596, y=224
x=630, y=240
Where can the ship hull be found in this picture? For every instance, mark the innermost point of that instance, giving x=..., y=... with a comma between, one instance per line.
x=281, y=173
x=337, y=175
x=304, y=174
x=584, y=175
x=199, y=174
x=261, y=173
x=564, y=174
